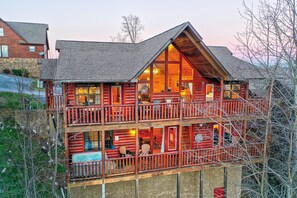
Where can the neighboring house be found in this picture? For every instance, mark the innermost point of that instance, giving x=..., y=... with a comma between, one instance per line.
x=168, y=114
x=21, y=44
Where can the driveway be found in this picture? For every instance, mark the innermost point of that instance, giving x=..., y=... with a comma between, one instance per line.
x=16, y=84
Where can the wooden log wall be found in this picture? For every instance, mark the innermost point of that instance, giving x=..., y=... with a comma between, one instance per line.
x=126, y=138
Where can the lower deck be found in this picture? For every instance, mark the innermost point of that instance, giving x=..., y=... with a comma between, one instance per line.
x=81, y=171
x=171, y=147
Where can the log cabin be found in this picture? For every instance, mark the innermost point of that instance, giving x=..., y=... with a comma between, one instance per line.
x=168, y=111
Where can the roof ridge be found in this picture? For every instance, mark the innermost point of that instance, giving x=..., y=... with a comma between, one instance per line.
x=165, y=31
x=26, y=22
x=108, y=42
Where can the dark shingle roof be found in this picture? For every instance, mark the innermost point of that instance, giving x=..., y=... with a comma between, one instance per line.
x=82, y=61
x=48, y=69
x=237, y=68
x=34, y=33
x=110, y=62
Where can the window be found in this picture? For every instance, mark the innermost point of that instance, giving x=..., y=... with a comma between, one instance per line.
x=209, y=92
x=144, y=92
x=159, y=78
x=3, y=51
x=215, y=135
x=173, y=78
x=173, y=53
x=187, y=91
x=1, y=32
x=187, y=70
x=87, y=94
x=31, y=48
x=145, y=76
x=227, y=135
x=92, y=140
x=172, y=138
x=231, y=91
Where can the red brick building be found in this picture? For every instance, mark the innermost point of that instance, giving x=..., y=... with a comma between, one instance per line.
x=21, y=44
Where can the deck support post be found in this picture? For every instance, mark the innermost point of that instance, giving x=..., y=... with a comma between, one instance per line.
x=136, y=151
x=178, y=185
x=103, y=189
x=67, y=157
x=137, y=187
x=136, y=103
x=103, y=154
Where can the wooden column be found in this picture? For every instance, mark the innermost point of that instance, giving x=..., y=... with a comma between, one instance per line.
x=67, y=157
x=178, y=185
x=65, y=104
x=103, y=154
x=220, y=120
x=136, y=150
x=180, y=146
x=181, y=109
x=136, y=103
x=102, y=103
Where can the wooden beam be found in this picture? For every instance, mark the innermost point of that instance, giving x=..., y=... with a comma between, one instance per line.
x=103, y=153
x=136, y=150
x=220, y=120
x=102, y=102
x=79, y=129
x=211, y=60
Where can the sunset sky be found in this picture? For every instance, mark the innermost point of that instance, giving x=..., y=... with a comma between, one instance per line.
x=217, y=21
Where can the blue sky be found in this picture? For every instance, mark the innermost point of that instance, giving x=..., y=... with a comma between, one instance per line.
x=217, y=21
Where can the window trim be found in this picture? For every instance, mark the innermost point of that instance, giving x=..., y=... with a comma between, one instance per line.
x=213, y=92
x=230, y=135
x=88, y=85
x=1, y=35
x=213, y=135
x=31, y=47
x=1, y=51
x=231, y=91
x=99, y=141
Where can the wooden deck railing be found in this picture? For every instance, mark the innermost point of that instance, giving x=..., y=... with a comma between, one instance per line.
x=119, y=113
x=199, y=157
x=165, y=161
x=201, y=109
x=55, y=102
x=114, y=114
x=161, y=111
x=83, y=115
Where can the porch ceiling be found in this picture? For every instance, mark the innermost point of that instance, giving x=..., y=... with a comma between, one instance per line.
x=194, y=55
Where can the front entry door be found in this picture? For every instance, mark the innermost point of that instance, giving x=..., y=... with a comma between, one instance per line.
x=172, y=138
x=116, y=101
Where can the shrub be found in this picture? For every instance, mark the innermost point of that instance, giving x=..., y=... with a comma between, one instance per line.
x=20, y=72
x=6, y=71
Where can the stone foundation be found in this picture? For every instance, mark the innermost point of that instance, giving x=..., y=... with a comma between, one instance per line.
x=166, y=186
x=16, y=63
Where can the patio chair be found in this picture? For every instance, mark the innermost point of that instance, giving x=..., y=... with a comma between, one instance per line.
x=123, y=151
x=145, y=149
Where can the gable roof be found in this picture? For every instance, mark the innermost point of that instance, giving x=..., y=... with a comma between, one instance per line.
x=237, y=68
x=48, y=69
x=82, y=61
x=34, y=33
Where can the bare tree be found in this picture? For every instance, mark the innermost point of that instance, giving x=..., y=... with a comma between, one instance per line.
x=131, y=30
x=269, y=41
